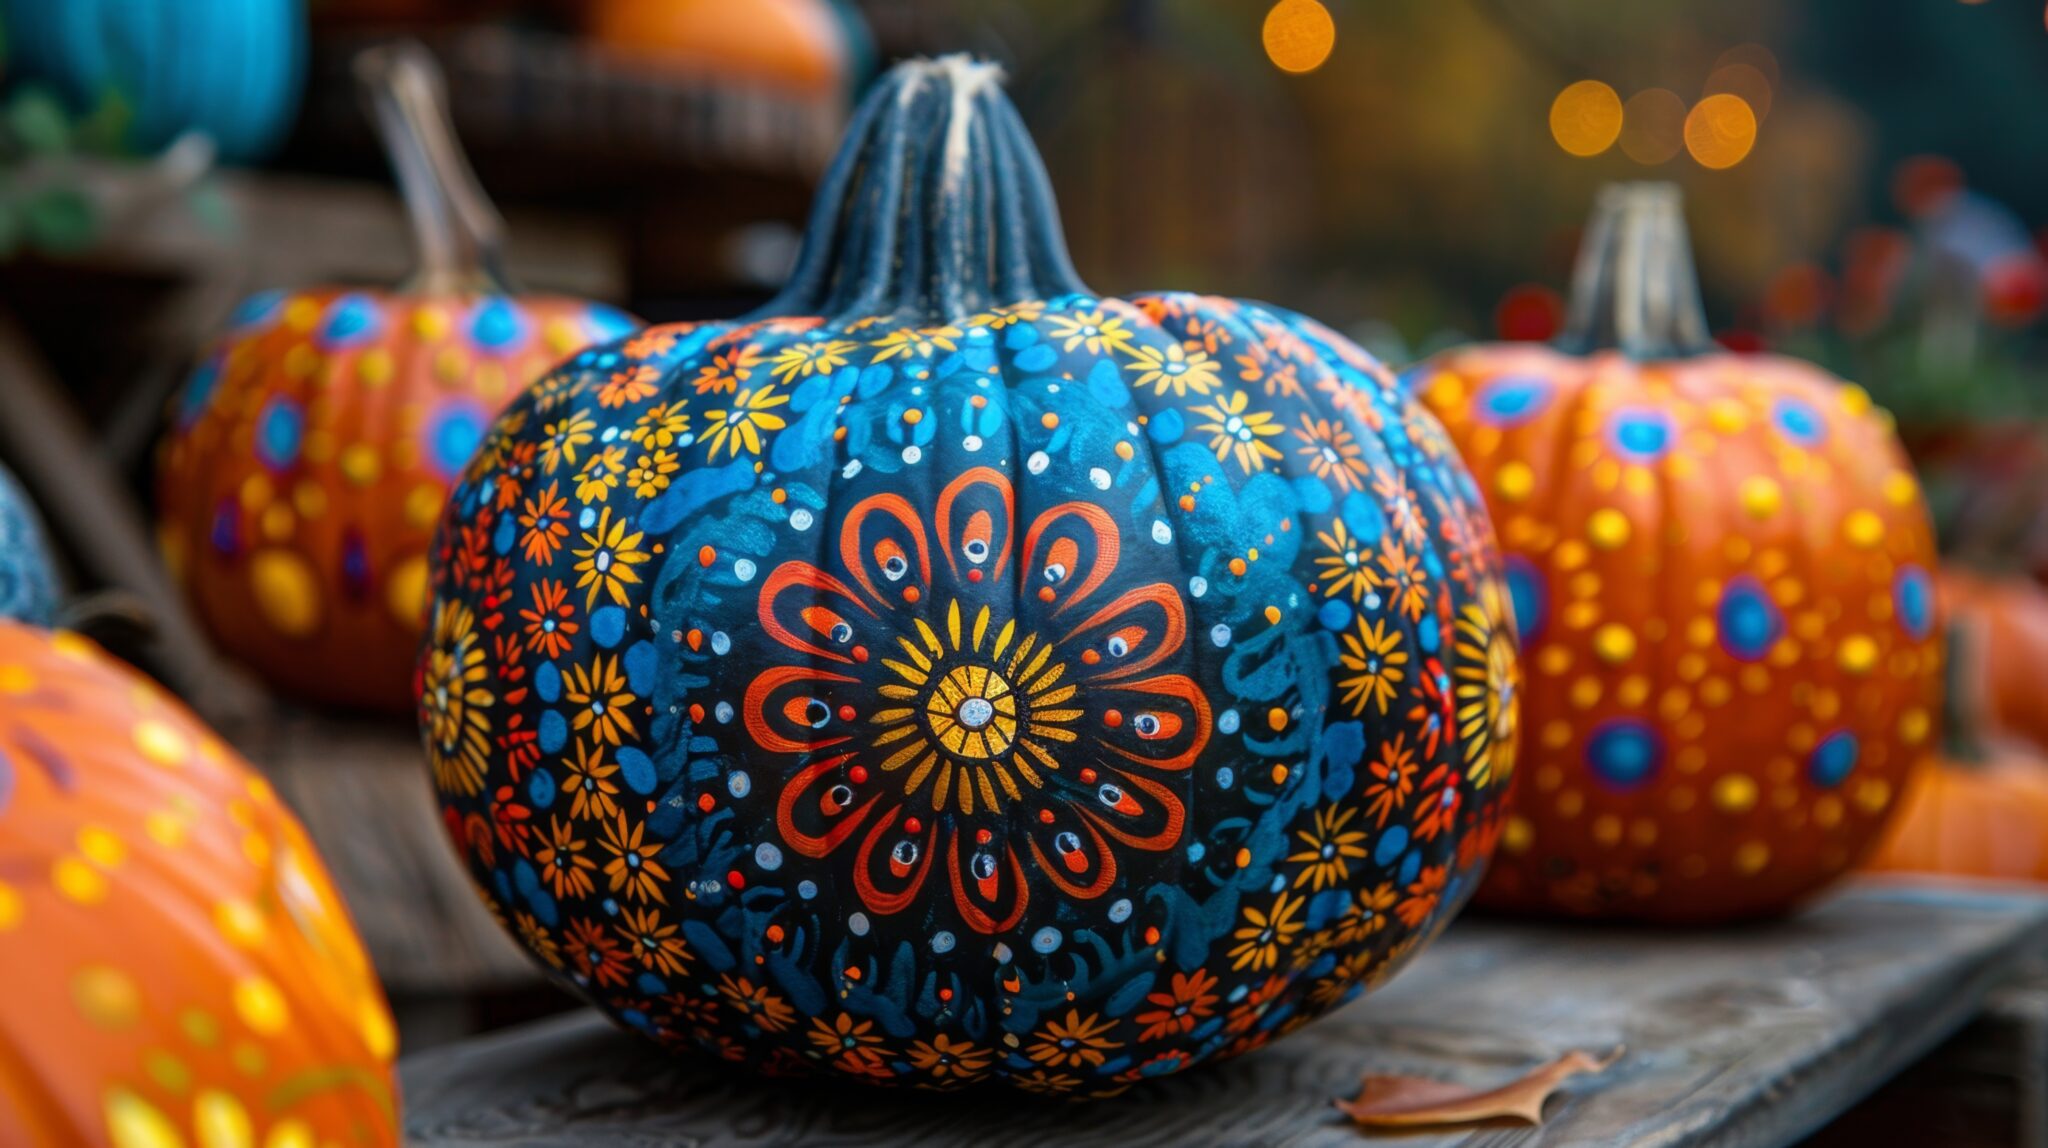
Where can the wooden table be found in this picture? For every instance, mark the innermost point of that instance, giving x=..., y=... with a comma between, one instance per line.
x=1752, y=1037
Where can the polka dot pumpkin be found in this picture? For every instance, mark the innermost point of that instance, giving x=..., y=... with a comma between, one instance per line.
x=1720, y=569
x=953, y=675
x=308, y=459
x=309, y=455
x=179, y=968
x=28, y=581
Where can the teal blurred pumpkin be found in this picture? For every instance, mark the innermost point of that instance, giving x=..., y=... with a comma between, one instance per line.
x=230, y=68
x=28, y=583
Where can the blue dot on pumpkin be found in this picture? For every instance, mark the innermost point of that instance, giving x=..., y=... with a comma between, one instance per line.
x=1625, y=753
x=497, y=325
x=1166, y=426
x=1334, y=614
x=1833, y=759
x=1036, y=358
x=256, y=312
x=608, y=323
x=1750, y=623
x=280, y=432
x=1392, y=844
x=1799, y=421
x=547, y=682
x=1528, y=595
x=1913, y=598
x=1640, y=434
x=541, y=788
x=1512, y=399
x=607, y=626
x=351, y=321
x=636, y=768
x=199, y=392
x=453, y=434
x=554, y=732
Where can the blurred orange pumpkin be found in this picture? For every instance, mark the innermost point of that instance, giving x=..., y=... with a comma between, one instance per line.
x=1720, y=567
x=1981, y=809
x=179, y=969
x=309, y=455
x=2010, y=618
x=797, y=44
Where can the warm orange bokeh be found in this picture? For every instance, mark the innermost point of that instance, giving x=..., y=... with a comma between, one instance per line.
x=179, y=968
x=796, y=44
x=309, y=458
x=1721, y=568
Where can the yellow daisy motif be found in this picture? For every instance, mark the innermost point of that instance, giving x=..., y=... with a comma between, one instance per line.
x=1239, y=433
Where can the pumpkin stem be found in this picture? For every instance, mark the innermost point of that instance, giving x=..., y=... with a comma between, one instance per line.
x=458, y=233
x=1962, y=688
x=937, y=205
x=1634, y=289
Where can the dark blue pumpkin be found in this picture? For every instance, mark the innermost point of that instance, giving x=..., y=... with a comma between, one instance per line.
x=28, y=582
x=230, y=68
x=947, y=674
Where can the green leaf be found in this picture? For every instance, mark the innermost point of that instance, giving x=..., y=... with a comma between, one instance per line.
x=38, y=121
x=60, y=220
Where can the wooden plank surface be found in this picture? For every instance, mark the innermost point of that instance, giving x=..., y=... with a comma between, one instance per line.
x=1751, y=1036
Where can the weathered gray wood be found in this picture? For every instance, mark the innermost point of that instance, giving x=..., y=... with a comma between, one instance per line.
x=360, y=785
x=1750, y=1036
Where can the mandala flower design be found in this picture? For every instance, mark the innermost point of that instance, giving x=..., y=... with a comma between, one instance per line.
x=1037, y=719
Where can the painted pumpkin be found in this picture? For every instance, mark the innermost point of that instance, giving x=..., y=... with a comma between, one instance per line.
x=948, y=674
x=1720, y=567
x=179, y=968
x=28, y=581
x=142, y=51
x=1981, y=808
x=309, y=454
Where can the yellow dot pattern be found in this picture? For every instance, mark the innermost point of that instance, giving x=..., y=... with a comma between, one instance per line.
x=307, y=466
x=1721, y=572
x=172, y=941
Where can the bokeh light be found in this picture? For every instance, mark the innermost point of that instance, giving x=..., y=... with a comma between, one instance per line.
x=1299, y=35
x=1720, y=130
x=1529, y=312
x=1653, y=126
x=1585, y=118
x=1922, y=183
x=1743, y=80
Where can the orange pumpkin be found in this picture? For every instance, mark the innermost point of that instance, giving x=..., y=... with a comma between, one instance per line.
x=1720, y=567
x=1972, y=818
x=310, y=453
x=1981, y=809
x=800, y=45
x=2010, y=616
x=179, y=968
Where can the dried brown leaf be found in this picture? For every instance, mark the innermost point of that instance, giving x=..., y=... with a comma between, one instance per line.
x=1413, y=1101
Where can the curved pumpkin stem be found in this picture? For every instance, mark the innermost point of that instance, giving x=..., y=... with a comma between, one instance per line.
x=1635, y=289
x=936, y=206
x=458, y=233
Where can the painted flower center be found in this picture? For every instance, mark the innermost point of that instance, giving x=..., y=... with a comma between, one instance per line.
x=972, y=711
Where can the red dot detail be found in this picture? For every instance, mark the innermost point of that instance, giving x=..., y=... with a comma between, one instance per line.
x=858, y=774
x=913, y=825
x=847, y=713
x=1113, y=718
x=1045, y=816
x=706, y=802
x=736, y=879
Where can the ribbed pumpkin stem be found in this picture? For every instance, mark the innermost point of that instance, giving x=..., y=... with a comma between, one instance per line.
x=1635, y=289
x=458, y=233
x=937, y=206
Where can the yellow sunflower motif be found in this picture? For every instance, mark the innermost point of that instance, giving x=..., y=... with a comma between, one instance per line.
x=456, y=700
